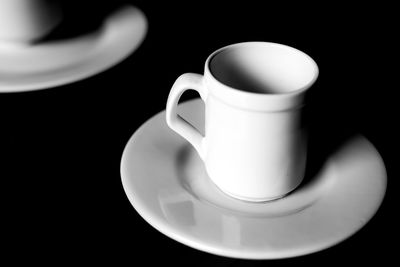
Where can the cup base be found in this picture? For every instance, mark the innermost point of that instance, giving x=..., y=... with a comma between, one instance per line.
x=253, y=199
x=13, y=45
x=30, y=25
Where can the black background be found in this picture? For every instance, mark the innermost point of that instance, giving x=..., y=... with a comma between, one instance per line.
x=63, y=199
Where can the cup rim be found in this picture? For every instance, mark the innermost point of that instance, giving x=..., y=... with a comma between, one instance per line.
x=283, y=100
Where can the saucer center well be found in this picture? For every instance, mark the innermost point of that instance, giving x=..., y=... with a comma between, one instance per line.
x=193, y=177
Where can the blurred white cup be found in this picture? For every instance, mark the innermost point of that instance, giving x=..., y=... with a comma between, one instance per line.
x=26, y=21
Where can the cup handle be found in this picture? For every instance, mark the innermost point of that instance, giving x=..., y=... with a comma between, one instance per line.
x=187, y=81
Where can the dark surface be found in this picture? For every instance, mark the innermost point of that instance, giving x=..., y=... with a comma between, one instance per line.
x=61, y=148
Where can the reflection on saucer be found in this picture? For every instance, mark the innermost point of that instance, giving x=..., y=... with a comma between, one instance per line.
x=180, y=209
x=60, y=61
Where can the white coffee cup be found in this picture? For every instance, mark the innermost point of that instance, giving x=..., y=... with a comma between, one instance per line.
x=254, y=146
x=25, y=21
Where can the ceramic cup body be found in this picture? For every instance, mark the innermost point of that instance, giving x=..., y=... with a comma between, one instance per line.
x=254, y=146
x=25, y=21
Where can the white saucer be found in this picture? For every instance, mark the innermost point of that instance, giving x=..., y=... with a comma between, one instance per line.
x=166, y=183
x=54, y=63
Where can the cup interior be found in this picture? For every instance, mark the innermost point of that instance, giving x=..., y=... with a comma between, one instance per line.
x=264, y=68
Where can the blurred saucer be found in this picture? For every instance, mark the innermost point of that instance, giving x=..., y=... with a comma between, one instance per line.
x=57, y=62
x=167, y=184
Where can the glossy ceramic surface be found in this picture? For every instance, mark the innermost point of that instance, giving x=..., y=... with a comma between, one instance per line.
x=255, y=145
x=49, y=64
x=166, y=182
